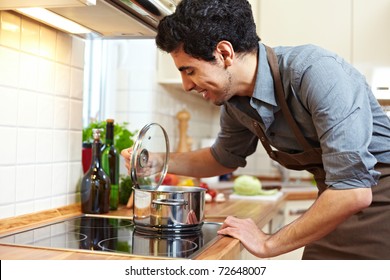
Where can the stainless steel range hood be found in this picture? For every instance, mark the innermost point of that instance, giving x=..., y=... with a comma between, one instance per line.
x=119, y=18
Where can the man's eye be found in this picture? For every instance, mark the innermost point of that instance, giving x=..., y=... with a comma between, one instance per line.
x=189, y=72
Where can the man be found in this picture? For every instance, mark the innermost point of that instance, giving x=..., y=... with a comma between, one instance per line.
x=310, y=109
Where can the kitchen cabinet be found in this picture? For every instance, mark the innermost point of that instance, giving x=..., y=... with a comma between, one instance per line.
x=324, y=23
x=371, y=39
x=356, y=30
x=295, y=208
x=291, y=210
x=371, y=43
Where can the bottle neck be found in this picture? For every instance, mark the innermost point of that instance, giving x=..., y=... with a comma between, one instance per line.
x=110, y=134
x=96, y=153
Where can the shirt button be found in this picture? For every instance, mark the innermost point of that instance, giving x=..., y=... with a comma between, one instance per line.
x=262, y=139
x=254, y=123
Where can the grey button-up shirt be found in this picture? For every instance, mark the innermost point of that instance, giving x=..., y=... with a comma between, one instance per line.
x=332, y=104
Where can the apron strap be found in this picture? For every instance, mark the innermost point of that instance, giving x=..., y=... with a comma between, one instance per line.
x=273, y=62
x=317, y=169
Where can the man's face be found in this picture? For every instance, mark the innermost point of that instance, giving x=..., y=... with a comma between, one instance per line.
x=212, y=79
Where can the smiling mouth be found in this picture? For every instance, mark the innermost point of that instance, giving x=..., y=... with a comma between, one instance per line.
x=204, y=94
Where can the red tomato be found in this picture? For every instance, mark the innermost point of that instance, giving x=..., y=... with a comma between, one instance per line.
x=204, y=185
x=169, y=180
x=211, y=192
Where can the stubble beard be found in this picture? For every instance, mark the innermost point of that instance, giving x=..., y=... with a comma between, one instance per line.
x=227, y=91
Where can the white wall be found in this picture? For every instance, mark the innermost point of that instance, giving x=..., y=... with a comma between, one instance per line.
x=41, y=82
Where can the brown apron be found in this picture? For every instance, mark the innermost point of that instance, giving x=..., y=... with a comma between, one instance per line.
x=365, y=235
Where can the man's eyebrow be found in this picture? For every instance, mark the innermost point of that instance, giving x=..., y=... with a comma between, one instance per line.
x=183, y=68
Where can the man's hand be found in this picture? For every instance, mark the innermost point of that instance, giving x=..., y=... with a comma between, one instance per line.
x=247, y=232
x=149, y=164
x=126, y=154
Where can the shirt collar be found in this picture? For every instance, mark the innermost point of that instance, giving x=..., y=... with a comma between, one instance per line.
x=264, y=86
x=263, y=98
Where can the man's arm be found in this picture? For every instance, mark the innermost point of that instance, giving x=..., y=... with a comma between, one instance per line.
x=328, y=211
x=199, y=163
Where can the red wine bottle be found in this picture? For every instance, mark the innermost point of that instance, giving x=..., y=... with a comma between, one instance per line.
x=96, y=185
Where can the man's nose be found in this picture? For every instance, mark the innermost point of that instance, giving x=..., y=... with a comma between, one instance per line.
x=188, y=84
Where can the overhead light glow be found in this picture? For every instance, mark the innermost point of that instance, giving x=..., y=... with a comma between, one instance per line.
x=54, y=20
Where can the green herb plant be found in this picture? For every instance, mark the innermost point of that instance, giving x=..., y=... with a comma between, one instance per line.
x=123, y=138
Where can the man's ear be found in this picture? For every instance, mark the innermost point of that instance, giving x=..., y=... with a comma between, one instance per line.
x=225, y=52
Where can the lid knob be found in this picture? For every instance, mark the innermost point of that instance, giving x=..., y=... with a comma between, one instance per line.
x=149, y=159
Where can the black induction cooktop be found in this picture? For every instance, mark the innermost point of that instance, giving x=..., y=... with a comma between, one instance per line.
x=118, y=235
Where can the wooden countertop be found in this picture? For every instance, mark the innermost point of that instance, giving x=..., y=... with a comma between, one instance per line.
x=224, y=247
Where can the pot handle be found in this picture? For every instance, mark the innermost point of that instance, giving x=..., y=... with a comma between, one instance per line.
x=170, y=202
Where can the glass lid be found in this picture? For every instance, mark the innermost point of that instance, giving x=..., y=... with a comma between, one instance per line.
x=149, y=160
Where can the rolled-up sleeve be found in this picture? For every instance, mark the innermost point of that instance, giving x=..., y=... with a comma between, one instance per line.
x=339, y=104
x=234, y=142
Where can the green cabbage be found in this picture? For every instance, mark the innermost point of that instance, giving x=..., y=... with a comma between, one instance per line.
x=250, y=185
x=247, y=185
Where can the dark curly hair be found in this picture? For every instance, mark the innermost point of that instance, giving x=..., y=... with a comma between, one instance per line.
x=199, y=25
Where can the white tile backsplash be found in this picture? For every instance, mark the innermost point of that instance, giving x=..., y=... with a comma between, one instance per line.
x=77, y=54
x=26, y=146
x=25, y=207
x=10, y=30
x=8, y=106
x=59, y=179
x=44, y=146
x=76, y=114
x=8, y=145
x=60, y=200
x=43, y=180
x=63, y=49
x=25, y=182
x=8, y=184
x=27, y=109
x=42, y=204
x=77, y=81
x=28, y=72
x=41, y=83
x=45, y=111
x=60, y=146
x=75, y=138
x=46, y=76
x=62, y=80
x=47, y=42
x=29, y=36
x=7, y=210
x=9, y=70
x=61, y=113
x=74, y=178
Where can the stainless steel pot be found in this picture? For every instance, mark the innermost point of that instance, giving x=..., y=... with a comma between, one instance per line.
x=169, y=208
